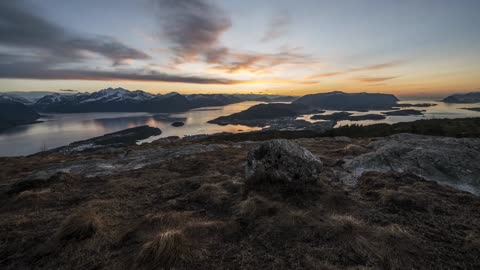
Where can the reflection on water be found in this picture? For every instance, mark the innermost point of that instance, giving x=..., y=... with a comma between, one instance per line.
x=62, y=129
x=441, y=110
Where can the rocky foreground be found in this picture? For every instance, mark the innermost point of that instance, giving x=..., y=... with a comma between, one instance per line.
x=391, y=202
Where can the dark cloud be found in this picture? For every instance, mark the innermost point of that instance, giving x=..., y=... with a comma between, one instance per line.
x=68, y=90
x=20, y=28
x=277, y=27
x=38, y=49
x=34, y=70
x=232, y=61
x=193, y=26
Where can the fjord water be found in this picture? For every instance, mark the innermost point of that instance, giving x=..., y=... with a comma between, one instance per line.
x=439, y=111
x=62, y=129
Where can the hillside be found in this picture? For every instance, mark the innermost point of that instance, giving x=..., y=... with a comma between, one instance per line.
x=13, y=113
x=348, y=101
x=263, y=111
x=473, y=97
x=189, y=204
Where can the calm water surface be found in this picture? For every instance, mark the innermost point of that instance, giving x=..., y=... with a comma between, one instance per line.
x=62, y=129
x=441, y=110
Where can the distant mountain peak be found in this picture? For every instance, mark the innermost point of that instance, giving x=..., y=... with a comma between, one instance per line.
x=171, y=94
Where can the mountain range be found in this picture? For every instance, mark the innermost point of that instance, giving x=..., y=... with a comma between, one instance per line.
x=18, y=108
x=122, y=100
x=112, y=100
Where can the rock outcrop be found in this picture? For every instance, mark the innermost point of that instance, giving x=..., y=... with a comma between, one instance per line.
x=283, y=162
x=450, y=161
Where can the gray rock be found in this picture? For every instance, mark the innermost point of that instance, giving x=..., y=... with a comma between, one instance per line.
x=450, y=161
x=133, y=160
x=282, y=161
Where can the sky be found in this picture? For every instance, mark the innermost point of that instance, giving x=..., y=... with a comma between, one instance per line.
x=411, y=48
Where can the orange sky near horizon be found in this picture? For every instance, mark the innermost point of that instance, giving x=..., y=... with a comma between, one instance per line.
x=412, y=49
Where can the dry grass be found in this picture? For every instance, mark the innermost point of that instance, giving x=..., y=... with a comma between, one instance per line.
x=396, y=247
x=296, y=218
x=400, y=199
x=162, y=241
x=346, y=230
x=168, y=216
x=151, y=224
x=33, y=198
x=255, y=207
x=472, y=241
x=212, y=194
x=166, y=250
x=79, y=226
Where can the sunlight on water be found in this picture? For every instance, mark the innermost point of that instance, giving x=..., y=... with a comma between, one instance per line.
x=62, y=129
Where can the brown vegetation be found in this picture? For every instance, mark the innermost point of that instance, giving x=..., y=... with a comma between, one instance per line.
x=79, y=226
x=164, y=216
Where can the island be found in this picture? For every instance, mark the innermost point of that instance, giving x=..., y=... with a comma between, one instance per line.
x=338, y=100
x=119, y=139
x=473, y=97
x=177, y=124
x=404, y=112
x=341, y=116
x=418, y=105
x=261, y=114
x=473, y=109
x=274, y=116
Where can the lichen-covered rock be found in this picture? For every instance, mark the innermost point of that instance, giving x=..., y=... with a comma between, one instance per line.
x=284, y=162
x=450, y=161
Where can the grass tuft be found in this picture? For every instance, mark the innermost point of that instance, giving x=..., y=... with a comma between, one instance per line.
x=164, y=251
x=79, y=226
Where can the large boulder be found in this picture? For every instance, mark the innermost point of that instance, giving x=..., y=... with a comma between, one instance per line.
x=450, y=161
x=282, y=162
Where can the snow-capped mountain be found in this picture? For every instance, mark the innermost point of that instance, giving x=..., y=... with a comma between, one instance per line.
x=15, y=98
x=113, y=100
x=117, y=95
x=123, y=100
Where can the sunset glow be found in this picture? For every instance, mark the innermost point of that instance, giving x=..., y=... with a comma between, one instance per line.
x=408, y=48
